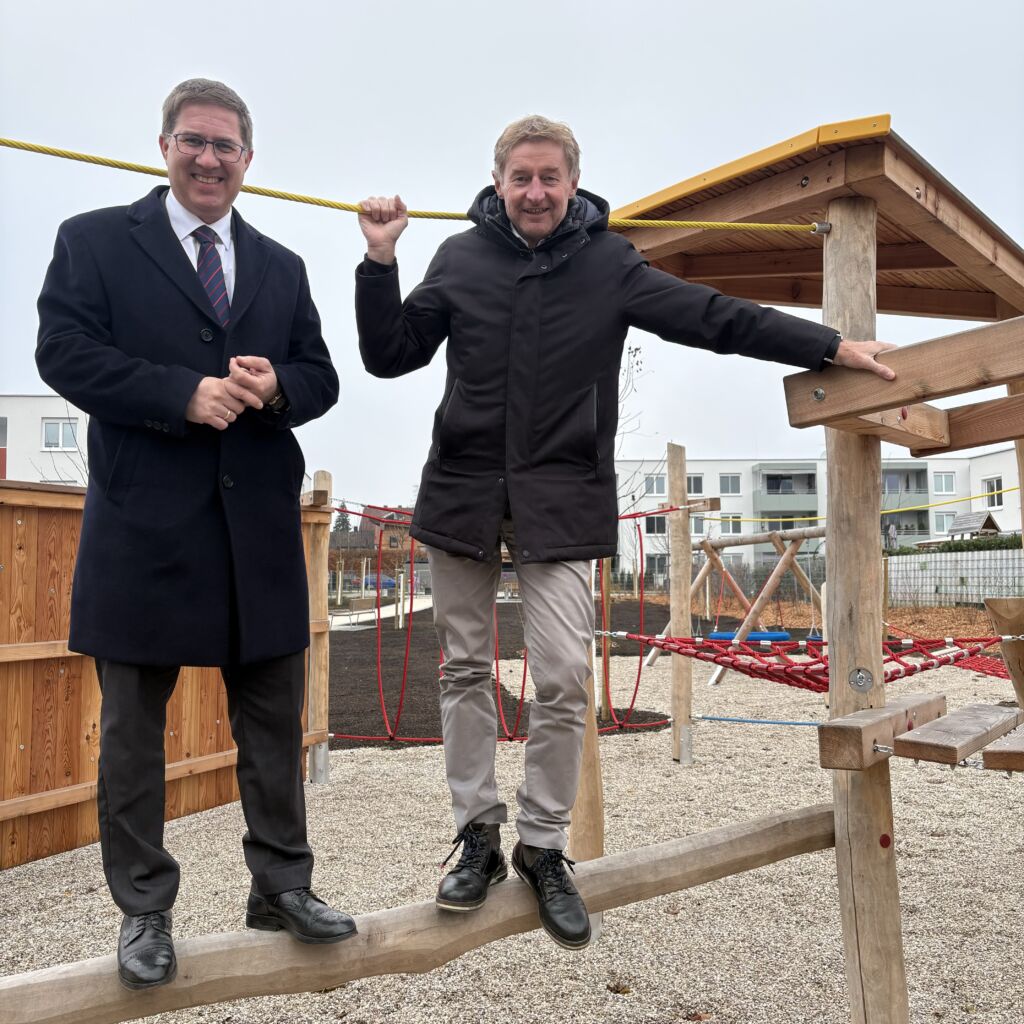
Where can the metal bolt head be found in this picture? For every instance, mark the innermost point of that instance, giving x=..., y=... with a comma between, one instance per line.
x=805, y=181
x=818, y=394
x=861, y=680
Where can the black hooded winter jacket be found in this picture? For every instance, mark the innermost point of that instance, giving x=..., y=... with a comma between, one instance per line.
x=535, y=336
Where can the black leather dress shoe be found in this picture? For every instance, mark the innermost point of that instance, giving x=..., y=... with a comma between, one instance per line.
x=481, y=865
x=562, y=912
x=145, y=950
x=300, y=912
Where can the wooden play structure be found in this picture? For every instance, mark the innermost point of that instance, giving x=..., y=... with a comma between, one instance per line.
x=903, y=240
x=50, y=699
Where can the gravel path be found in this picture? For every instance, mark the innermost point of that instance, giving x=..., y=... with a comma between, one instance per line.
x=756, y=948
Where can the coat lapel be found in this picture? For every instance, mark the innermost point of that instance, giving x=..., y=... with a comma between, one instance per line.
x=252, y=254
x=153, y=233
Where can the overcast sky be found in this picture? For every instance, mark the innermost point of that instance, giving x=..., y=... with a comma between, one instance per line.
x=350, y=100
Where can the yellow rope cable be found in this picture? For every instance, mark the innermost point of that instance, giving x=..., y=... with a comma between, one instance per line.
x=332, y=204
x=884, y=511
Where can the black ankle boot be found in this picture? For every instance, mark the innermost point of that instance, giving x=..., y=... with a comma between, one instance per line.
x=562, y=912
x=481, y=865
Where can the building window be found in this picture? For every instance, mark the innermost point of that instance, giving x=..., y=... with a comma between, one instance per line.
x=655, y=524
x=3, y=431
x=992, y=486
x=696, y=524
x=394, y=542
x=657, y=564
x=729, y=483
x=945, y=483
x=731, y=524
x=654, y=484
x=60, y=435
x=943, y=521
x=695, y=483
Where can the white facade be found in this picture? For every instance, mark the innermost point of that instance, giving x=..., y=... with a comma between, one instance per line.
x=761, y=495
x=42, y=438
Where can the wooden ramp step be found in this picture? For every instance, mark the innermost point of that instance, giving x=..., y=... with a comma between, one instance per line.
x=964, y=732
x=1006, y=754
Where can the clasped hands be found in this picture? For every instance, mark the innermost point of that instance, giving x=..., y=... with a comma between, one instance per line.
x=218, y=401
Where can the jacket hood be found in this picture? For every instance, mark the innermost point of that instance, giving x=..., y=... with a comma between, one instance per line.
x=586, y=211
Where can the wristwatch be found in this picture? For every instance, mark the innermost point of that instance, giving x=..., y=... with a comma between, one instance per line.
x=278, y=403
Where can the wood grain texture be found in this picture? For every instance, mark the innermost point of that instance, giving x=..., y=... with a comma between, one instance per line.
x=1007, y=617
x=961, y=733
x=680, y=564
x=411, y=939
x=991, y=422
x=1005, y=754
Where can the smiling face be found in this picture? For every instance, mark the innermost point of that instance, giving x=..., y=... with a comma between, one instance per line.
x=205, y=185
x=536, y=188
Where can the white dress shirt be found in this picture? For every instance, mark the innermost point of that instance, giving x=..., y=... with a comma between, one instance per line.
x=184, y=222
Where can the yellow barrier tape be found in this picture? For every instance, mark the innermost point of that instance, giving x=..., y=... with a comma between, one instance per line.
x=883, y=512
x=332, y=204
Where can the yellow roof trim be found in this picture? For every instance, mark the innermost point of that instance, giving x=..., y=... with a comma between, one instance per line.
x=825, y=134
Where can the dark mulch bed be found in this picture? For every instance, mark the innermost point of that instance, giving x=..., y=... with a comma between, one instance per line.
x=354, y=698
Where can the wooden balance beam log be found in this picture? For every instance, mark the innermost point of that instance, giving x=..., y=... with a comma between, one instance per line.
x=411, y=939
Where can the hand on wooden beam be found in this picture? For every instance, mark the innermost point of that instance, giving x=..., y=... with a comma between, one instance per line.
x=860, y=355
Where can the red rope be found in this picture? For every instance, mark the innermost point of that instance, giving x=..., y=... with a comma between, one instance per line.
x=497, y=686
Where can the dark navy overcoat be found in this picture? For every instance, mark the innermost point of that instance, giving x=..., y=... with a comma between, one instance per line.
x=185, y=527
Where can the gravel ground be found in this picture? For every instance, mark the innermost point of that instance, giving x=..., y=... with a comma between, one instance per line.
x=760, y=947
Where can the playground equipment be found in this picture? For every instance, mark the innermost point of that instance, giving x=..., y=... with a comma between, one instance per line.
x=931, y=252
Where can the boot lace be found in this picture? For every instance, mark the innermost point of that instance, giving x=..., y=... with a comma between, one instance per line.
x=475, y=850
x=549, y=867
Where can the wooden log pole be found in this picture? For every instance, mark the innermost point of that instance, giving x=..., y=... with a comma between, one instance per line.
x=865, y=846
x=606, y=641
x=411, y=939
x=1007, y=617
x=318, y=692
x=801, y=577
x=680, y=563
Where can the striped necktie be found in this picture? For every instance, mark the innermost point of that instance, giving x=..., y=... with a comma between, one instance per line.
x=211, y=273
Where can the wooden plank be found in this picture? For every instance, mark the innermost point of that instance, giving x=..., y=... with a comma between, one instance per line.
x=410, y=939
x=16, y=693
x=680, y=568
x=1006, y=754
x=35, y=651
x=24, y=497
x=907, y=425
x=67, y=796
x=315, y=498
x=806, y=292
x=869, y=901
x=1007, y=617
x=904, y=258
x=783, y=194
x=920, y=201
x=950, y=365
x=961, y=733
x=991, y=422
x=42, y=748
x=849, y=742
x=83, y=672
x=697, y=505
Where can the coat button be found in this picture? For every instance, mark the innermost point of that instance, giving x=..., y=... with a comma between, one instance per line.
x=480, y=554
x=501, y=480
x=526, y=554
x=149, y=423
x=206, y=334
x=543, y=266
x=227, y=481
x=165, y=427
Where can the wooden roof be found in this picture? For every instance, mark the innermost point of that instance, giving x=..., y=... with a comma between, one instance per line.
x=938, y=254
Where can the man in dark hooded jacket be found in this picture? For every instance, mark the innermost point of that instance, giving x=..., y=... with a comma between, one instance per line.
x=535, y=301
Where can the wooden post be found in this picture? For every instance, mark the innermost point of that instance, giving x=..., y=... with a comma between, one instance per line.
x=318, y=693
x=885, y=597
x=586, y=820
x=606, y=646
x=680, y=561
x=1007, y=616
x=865, y=847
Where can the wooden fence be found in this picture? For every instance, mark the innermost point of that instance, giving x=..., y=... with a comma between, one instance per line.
x=50, y=698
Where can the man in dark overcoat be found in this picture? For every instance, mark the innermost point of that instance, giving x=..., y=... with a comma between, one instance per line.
x=535, y=301
x=193, y=344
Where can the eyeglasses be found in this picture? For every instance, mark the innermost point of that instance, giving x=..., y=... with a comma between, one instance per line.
x=195, y=145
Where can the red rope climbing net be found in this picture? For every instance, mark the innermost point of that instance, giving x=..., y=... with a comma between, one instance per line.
x=804, y=663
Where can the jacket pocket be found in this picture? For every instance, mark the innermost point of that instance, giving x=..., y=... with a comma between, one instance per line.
x=122, y=468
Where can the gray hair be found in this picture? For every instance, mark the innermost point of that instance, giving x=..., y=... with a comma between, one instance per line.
x=537, y=129
x=205, y=90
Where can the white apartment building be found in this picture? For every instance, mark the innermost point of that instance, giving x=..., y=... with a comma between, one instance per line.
x=759, y=496
x=42, y=440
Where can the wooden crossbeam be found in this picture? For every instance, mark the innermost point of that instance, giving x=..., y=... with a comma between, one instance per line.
x=949, y=304
x=907, y=425
x=411, y=939
x=991, y=422
x=903, y=258
x=945, y=366
x=849, y=742
x=1006, y=754
x=962, y=733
